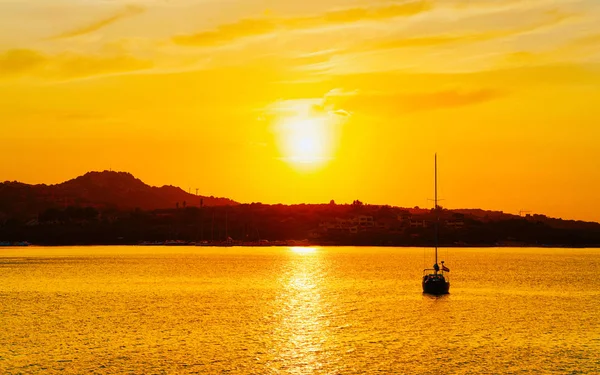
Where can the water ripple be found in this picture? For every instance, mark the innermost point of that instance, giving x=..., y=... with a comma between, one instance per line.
x=277, y=311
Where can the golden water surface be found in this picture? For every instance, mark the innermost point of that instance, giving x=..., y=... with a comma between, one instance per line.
x=195, y=310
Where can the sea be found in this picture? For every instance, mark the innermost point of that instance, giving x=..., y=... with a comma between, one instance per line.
x=297, y=310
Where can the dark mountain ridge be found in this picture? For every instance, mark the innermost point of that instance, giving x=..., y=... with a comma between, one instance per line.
x=117, y=208
x=102, y=190
x=122, y=191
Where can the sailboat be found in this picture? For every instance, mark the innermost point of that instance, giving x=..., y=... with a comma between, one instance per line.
x=434, y=281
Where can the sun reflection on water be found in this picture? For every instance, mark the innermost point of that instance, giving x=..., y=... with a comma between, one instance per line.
x=301, y=332
x=303, y=250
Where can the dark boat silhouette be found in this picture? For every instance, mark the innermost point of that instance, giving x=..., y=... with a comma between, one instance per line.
x=434, y=282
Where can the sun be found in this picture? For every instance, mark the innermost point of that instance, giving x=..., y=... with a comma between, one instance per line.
x=305, y=141
x=307, y=132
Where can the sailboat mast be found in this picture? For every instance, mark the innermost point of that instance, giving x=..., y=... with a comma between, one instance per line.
x=437, y=217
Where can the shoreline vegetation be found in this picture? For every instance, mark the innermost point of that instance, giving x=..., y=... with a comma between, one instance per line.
x=257, y=224
x=115, y=208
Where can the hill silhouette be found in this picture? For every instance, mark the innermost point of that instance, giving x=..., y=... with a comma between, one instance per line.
x=102, y=190
x=117, y=208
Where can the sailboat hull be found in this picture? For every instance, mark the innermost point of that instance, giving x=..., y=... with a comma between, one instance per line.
x=436, y=286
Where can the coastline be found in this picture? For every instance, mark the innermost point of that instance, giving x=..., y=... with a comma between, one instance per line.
x=295, y=244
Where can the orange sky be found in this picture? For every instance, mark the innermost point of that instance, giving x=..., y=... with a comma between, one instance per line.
x=275, y=101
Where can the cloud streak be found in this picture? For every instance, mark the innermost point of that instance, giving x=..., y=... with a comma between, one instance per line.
x=592, y=40
x=262, y=26
x=19, y=61
x=24, y=62
x=444, y=39
x=129, y=11
x=384, y=104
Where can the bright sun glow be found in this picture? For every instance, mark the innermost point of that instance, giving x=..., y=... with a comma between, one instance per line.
x=306, y=142
x=308, y=132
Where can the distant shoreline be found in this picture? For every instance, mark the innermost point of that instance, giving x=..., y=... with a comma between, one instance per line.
x=303, y=225
x=464, y=246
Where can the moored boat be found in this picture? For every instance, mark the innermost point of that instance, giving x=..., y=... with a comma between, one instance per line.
x=434, y=281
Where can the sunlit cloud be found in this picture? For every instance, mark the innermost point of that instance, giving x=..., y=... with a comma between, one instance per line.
x=384, y=104
x=265, y=25
x=308, y=107
x=584, y=49
x=327, y=50
x=470, y=37
x=341, y=112
x=129, y=11
x=588, y=40
x=19, y=61
x=23, y=62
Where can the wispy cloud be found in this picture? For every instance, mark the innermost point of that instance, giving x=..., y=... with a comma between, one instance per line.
x=582, y=49
x=389, y=103
x=592, y=40
x=79, y=66
x=342, y=104
x=390, y=93
x=365, y=46
x=19, y=61
x=24, y=62
x=129, y=11
x=228, y=32
x=265, y=25
x=554, y=18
